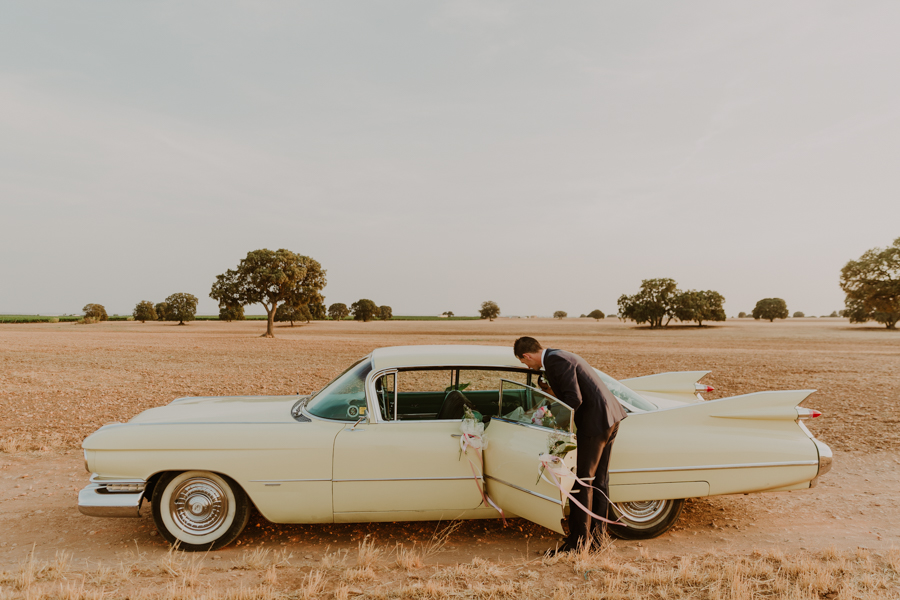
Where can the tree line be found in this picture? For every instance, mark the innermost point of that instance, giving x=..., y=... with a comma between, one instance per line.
x=289, y=287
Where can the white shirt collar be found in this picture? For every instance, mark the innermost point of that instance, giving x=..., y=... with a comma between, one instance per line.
x=543, y=352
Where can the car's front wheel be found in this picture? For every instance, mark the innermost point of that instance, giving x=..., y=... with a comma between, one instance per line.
x=199, y=510
x=645, y=519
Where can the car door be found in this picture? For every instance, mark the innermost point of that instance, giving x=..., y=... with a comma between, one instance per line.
x=389, y=468
x=515, y=440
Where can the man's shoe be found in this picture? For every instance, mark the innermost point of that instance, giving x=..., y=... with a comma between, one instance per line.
x=562, y=549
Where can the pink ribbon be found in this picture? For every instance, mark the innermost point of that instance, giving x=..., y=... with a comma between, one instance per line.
x=466, y=441
x=554, y=465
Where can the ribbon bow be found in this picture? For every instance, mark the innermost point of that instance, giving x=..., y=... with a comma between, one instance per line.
x=558, y=470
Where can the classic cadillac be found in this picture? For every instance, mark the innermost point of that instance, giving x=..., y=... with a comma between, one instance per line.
x=382, y=443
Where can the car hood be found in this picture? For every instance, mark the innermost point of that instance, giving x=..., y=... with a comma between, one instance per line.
x=222, y=409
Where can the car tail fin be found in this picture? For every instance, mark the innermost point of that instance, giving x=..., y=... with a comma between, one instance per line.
x=771, y=406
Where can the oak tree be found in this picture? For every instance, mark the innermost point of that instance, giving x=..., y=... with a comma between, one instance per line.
x=596, y=314
x=872, y=286
x=271, y=278
x=95, y=311
x=338, y=311
x=144, y=311
x=489, y=310
x=162, y=311
x=699, y=306
x=771, y=309
x=231, y=312
x=653, y=303
x=181, y=307
x=385, y=313
x=560, y=314
x=364, y=310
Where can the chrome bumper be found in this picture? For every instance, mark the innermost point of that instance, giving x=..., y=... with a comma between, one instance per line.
x=96, y=501
x=825, y=459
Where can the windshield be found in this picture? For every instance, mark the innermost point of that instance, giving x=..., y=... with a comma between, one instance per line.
x=344, y=399
x=624, y=394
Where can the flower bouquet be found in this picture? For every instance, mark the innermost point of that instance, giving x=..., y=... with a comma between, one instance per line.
x=543, y=416
x=558, y=445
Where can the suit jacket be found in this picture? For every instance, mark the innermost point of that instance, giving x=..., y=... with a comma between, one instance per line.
x=576, y=384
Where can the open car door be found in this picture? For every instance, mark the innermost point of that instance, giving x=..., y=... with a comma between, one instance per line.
x=529, y=422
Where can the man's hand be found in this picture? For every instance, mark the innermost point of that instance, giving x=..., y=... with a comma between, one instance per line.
x=545, y=387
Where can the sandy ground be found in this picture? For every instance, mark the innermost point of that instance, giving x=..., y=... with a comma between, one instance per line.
x=59, y=382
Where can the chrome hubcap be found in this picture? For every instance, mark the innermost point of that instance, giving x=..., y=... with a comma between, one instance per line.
x=199, y=505
x=644, y=513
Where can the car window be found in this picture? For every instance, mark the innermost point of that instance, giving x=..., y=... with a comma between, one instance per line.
x=443, y=394
x=625, y=394
x=524, y=404
x=343, y=399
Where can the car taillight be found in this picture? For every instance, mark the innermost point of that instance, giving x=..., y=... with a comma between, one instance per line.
x=703, y=388
x=807, y=413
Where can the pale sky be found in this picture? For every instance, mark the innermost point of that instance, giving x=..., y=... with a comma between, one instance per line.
x=433, y=155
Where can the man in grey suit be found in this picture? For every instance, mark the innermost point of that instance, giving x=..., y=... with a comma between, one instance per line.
x=597, y=416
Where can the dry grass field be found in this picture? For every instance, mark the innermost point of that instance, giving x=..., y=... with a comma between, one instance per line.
x=59, y=382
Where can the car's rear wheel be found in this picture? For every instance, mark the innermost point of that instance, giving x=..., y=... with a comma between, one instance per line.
x=199, y=510
x=645, y=519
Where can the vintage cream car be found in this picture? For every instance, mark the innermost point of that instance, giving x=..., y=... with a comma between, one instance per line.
x=382, y=443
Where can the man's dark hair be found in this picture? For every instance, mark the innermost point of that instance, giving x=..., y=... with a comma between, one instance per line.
x=524, y=345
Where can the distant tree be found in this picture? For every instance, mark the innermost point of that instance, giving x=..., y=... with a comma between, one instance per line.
x=489, y=310
x=771, y=309
x=338, y=311
x=742, y=315
x=596, y=314
x=317, y=310
x=287, y=312
x=834, y=313
x=271, y=278
x=162, y=311
x=560, y=314
x=653, y=303
x=699, y=306
x=385, y=313
x=798, y=315
x=872, y=286
x=449, y=314
x=95, y=311
x=363, y=310
x=234, y=312
x=144, y=311
x=181, y=307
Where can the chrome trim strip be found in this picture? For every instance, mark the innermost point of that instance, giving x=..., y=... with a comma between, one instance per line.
x=521, y=489
x=284, y=480
x=407, y=479
x=97, y=479
x=799, y=463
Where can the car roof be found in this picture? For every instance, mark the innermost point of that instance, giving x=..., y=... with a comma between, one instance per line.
x=439, y=356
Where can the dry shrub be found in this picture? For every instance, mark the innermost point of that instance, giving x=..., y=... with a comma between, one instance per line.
x=331, y=560
x=359, y=574
x=367, y=554
x=409, y=558
x=254, y=560
x=439, y=538
x=313, y=584
x=11, y=445
x=342, y=592
x=893, y=559
x=181, y=564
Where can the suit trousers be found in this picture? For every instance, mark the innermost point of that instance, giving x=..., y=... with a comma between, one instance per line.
x=592, y=467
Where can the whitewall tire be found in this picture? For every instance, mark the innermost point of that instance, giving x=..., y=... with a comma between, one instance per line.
x=199, y=510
